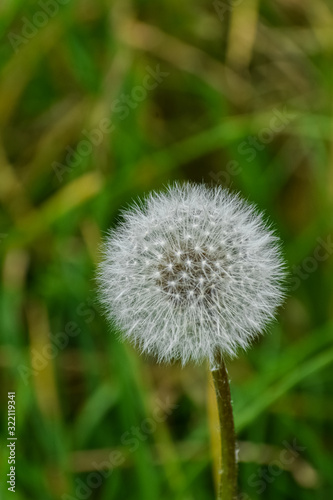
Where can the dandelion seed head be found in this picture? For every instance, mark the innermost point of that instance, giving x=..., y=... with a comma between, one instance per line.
x=193, y=271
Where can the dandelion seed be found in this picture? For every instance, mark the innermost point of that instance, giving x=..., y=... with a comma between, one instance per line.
x=192, y=318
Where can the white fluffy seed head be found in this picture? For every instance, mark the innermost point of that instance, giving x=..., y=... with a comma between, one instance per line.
x=191, y=272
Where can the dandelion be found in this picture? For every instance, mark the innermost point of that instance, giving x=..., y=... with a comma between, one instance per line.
x=194, y=273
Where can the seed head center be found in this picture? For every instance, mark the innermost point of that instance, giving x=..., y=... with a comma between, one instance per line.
x=190, y=275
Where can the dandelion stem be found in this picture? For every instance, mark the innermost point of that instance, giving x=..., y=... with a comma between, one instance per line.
x=228, y=473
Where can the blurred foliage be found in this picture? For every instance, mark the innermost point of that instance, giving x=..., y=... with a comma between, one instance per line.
x=244, y=99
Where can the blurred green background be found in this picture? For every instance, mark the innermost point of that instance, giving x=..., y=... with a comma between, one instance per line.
x=101, y=102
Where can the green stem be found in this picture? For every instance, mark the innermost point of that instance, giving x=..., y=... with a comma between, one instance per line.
x=228, y=473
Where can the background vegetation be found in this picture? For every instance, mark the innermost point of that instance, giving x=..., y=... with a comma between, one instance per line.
x=245, y=100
